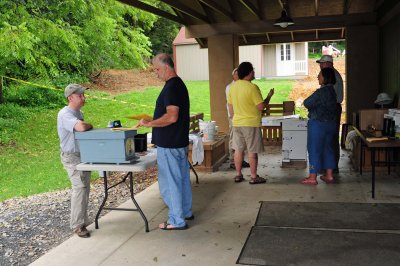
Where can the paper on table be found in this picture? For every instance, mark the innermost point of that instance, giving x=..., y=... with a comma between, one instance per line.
x=124, y=128
x=141, y=116
x=376, y=139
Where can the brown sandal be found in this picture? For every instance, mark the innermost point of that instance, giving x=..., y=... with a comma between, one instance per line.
x=309, y=181
x=327, y=179
x=257, y=180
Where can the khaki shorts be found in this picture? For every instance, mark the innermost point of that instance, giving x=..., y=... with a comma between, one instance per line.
x=247, y=137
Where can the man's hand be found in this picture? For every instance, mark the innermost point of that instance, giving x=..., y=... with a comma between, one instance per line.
x=144, y=122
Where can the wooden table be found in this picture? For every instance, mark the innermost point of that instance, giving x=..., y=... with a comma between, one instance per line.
x=143, y=163
x=387, y=145
x=215, y=153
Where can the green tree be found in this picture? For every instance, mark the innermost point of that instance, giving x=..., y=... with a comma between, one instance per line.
x=163, y=33
x=45, y=38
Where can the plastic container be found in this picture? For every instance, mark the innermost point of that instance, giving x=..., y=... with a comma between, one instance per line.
x=208, y=130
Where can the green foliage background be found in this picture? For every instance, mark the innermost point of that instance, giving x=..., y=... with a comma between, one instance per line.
x=46, y=39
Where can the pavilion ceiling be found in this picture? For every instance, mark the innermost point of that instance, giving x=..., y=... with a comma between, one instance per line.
x=252, y=20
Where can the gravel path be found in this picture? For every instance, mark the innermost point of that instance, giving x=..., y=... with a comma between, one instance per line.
x=29, y=227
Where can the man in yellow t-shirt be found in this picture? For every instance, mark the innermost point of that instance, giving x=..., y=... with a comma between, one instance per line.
x=245, y=105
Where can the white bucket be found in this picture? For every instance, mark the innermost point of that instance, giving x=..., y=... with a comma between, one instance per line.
x=208, y=130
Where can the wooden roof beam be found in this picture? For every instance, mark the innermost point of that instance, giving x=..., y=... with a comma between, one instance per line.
x=305, y=37
x=346, y=6
x=208, y=11
x=153, y=10
x=244, y=39
x=394, y=11
x=316, y=6
x=217, y=7
x=186, y=10
x=251, y=8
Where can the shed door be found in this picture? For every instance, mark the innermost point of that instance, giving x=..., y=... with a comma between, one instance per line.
x=285, y=59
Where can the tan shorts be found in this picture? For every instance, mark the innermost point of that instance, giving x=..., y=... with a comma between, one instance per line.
x=247, y=137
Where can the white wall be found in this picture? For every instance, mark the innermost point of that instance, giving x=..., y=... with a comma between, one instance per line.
x=191, y=62
x=252, y=54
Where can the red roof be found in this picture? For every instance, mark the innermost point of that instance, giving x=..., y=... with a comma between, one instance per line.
x=181, y=39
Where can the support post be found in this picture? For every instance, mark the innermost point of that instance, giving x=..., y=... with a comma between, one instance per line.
x=223, y=57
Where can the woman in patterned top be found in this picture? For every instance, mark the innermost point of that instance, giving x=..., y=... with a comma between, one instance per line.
x=322, y=109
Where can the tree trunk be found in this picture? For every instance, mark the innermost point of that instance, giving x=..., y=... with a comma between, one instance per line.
x=1, y=91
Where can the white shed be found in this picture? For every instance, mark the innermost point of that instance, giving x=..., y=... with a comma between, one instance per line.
x=284, y=60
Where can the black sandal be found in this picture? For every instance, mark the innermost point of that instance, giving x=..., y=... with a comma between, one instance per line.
x=238, y=178
x=165, y=227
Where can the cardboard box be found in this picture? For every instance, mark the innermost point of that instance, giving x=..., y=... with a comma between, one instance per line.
x=370, y=117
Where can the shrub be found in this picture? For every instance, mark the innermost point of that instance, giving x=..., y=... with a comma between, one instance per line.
x=11, y=117
x=32, y=96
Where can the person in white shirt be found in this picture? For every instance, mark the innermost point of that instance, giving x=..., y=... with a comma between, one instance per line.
x=69, y=120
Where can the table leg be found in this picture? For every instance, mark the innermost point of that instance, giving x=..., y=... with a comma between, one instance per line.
x=96, y=220
x=373, y=171
x=388, y=159
x=361, y=156
x=195, y=173
x=136, y=204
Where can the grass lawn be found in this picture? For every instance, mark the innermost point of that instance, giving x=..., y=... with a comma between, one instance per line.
x=32, y=165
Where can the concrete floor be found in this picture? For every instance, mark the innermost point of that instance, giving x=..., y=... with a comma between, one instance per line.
x=225, y=212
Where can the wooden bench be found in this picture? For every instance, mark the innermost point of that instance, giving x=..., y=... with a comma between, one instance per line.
x=215, y=152
x=272, y=135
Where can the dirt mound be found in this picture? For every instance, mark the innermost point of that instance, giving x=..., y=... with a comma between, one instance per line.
x=305, y=87
x=116, y=81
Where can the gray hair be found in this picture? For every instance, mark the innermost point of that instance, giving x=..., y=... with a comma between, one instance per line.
x=164, y=59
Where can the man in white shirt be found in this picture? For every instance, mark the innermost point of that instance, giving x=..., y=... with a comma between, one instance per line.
x=69, y=120
x=245, y=164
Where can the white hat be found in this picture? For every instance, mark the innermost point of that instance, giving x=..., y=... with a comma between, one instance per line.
x=73, y=89
x=325, y=58
x=234, y=70
x=383, y=98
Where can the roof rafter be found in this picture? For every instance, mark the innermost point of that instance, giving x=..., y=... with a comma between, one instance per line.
x=251, y=8
x=153, y=10
x=217, y=7
x=187, y=10
x=207, y=10
x=346, y=6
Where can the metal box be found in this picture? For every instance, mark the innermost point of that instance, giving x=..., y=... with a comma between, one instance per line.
x=103, y=145
x=294, y=140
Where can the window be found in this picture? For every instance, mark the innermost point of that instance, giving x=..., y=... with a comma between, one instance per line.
x=288, y=52
x=285, y=52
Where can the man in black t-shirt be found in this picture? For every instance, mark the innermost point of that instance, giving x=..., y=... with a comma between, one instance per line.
x=171, y=135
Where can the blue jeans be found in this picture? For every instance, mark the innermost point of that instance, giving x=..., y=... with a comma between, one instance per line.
x=320, y=145
x=174, y=183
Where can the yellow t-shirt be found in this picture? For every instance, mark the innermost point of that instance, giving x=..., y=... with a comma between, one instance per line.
x=245, y=96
